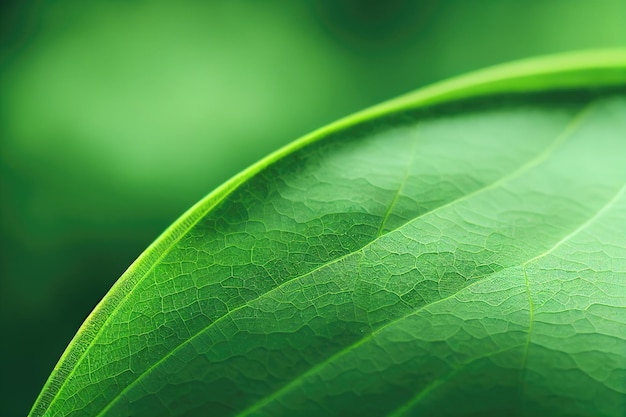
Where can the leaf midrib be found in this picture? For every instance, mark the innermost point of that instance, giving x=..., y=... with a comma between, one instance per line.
x=569, y=129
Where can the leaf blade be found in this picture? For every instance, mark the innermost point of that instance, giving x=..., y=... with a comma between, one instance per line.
x=341, y=251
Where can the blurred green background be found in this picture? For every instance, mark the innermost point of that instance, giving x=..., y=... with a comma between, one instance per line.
x=116, y=116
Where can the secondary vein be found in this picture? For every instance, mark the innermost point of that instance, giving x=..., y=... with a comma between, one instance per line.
x=424, y=392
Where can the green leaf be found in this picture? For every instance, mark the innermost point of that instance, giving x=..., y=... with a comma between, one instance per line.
x=457, y=251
